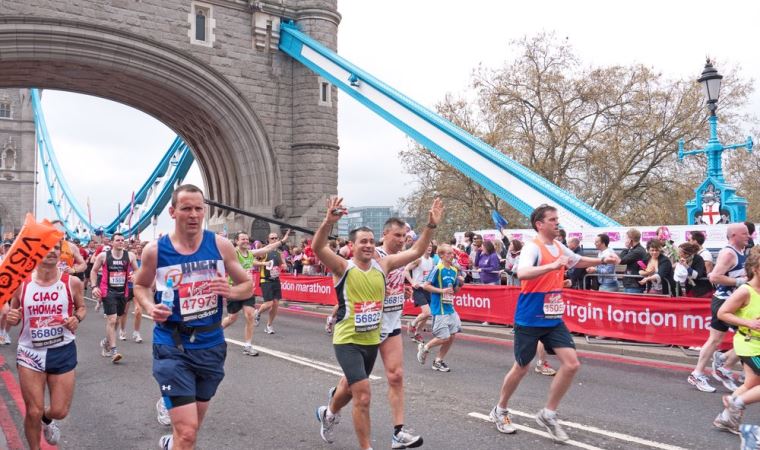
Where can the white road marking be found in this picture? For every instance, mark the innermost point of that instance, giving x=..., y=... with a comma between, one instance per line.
x=592, y=429
x=313, y=363
x=319, y=365
x=538, y=432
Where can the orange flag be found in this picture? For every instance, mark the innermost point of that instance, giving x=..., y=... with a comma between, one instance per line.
x=32, y=244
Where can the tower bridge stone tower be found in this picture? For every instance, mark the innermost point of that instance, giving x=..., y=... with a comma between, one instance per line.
x=261, y=126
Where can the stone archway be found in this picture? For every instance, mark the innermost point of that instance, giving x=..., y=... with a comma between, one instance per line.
x=183, y=92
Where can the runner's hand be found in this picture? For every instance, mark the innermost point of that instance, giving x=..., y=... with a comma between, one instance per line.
x=71, y=324
x=562, y=261
x=335, y=210
x=159, y=313
x=14, y=316
x=436, y=212
x=448, y=290
x=755, y=324
x=96, y=293
x=220, y=286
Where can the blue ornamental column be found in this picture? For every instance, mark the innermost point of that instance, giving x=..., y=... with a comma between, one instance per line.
x=716, y=201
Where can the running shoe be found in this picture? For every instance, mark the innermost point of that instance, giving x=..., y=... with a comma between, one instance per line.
x=256, y=318
x=136, y=336
x=326, y=425
x=250, y=351
x=2, y=338
x=418, y=338
x=750, y=436
x=701, y=382
x=104, y=350
x=269, y=330
x=405, y=438
x=115, y=356
x=440, y=366
x=545, y=369
x=718, y=360
x=552, y=426
x=122, y=335
x=730, y=418
x=503, y=421
x=329, y=325
x=163, y=416
x=726, y=377
x=8, y=340
x=422, y=353
x=51, y=432
x=165, y=442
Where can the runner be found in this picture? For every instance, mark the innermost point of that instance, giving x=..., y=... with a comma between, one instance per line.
x=416, y=273
x=71, y=260
x=538, y=318
x=246, y=257
x=50, y=307
x=742, y=309
x=188, y=267
x=270, y=267
x=360, y=285
x=442, y=283
x=118, y=266
x=727, y=275
x=135, y=248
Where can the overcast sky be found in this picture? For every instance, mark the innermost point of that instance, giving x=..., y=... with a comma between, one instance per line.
x=425, y=49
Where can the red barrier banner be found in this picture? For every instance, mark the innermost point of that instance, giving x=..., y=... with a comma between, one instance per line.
x=480, y=303
x=308, y=289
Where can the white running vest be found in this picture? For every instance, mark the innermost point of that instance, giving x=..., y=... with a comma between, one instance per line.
x=44, y=311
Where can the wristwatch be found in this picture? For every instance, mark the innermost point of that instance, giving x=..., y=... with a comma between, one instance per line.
x=432, y=225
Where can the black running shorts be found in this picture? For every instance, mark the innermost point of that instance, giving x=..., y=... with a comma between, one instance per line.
x=271, y=290
x=421, y=297
x=356, y=360
x=114, y=303
x=717, y=324
x=234, y=306
x=527, y=338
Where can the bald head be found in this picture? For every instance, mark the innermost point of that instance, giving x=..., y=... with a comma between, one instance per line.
x=738, y=235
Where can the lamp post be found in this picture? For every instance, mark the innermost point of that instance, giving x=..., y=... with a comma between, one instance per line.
x=716, y=201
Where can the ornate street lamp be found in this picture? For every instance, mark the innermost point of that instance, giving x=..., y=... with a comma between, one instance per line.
x=711, y=80
x=716, y=202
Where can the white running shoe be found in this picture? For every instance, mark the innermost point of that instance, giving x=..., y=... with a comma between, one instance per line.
x=250, y=351
x=503, y=422
x=122, y=335
x=552, y=426
x=701, y=382
x=165, y=442
x=405, y=438
x=329, y=325
x=422, y=353
x=269, y=330
x=104, y=350
x=8, y=340
x=256, y=318
x=115, y=356
x=725, y=376
x=52, y=432
x=326, y=425
x=163, y=416
x=136, y=336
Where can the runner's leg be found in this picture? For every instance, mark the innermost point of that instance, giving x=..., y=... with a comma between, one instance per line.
x=445, y=347
x=249, y=312
x=111, y=320
x=185, y=424
x=33, y=391
x=229, y=319
x=708, y=348
x=392, y=352
x=564, y=378
x=360, y=393
x=273, y=311
x=61, y=393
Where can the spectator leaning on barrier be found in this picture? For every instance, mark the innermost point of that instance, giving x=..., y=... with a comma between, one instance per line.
x=635, y=258
x=574, y=275
x=690, y=272
x=488, y=265
x=605, y=272
x=698, y=238
x=658, y=276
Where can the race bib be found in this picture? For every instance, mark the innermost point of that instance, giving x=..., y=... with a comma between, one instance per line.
x=274, y=272
x=46, y=331
x=196, y=300
x=447, y=298
x=554, y=307
x=367, y=316
x=394, y=302
x=117, y=278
